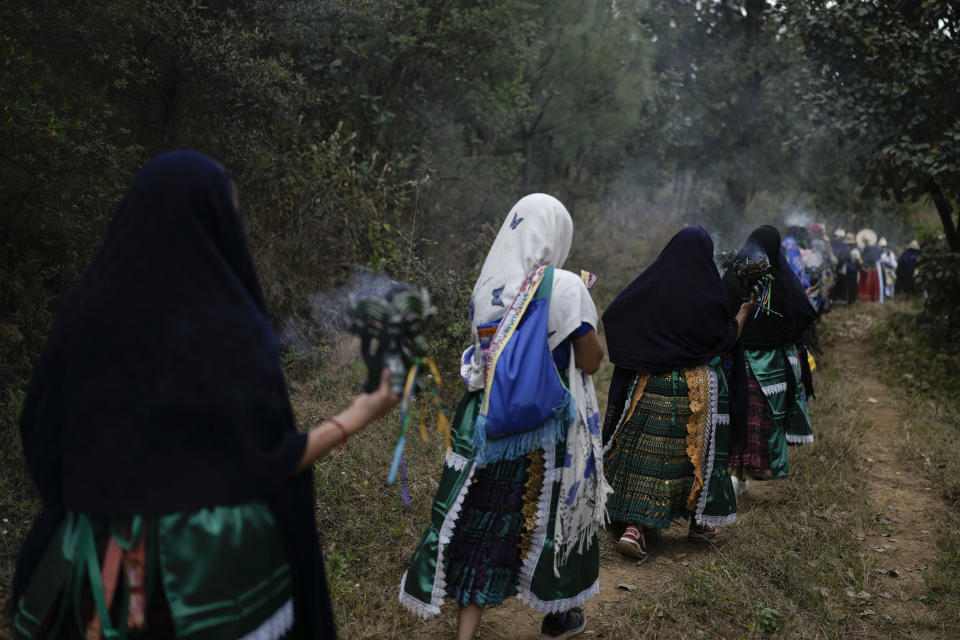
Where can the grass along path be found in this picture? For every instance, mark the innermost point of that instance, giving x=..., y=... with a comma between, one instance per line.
x=858, y=542
x=840, y=548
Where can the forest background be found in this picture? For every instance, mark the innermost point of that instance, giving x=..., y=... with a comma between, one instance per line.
x=392, y=136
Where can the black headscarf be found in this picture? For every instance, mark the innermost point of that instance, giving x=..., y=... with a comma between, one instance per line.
x=160, y=388
x=905, y=270
x=673, y=316
x=840, y=249
x=768, y=331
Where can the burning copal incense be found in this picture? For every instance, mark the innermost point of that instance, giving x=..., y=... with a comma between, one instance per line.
x=391, y=336
x=752, y=274
x=391, y=332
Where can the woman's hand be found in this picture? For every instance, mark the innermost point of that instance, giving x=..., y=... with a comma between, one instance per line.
x=746, y=310
x=365, y=408
x=379, y=401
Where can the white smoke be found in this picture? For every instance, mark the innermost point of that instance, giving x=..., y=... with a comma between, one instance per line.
x=798, y=218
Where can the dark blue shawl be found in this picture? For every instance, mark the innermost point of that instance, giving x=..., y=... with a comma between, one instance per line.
x=673, y=316
x=160, y=387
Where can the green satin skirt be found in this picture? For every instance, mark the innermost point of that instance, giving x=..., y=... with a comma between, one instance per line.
x=222, y=572
x=791, y=421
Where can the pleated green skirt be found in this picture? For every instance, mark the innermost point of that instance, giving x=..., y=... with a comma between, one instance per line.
x=647, y=465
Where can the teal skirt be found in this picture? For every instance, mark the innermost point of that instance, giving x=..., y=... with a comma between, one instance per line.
x=648, y=464
x=213, y=574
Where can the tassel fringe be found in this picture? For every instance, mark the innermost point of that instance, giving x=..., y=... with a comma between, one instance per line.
x=710, y=444
x=774, y=389
x=717, y=520
x=559, y=606
x=455, y=461
x=274, y=627
x=551, y=432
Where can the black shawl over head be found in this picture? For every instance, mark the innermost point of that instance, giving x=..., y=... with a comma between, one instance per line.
x=905, y=270
x=673, y=316
x=768, y=331
x=160, y=388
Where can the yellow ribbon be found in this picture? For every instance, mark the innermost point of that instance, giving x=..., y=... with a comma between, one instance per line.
x=443, y=425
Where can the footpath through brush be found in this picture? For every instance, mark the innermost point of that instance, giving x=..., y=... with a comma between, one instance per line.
x=891, y=532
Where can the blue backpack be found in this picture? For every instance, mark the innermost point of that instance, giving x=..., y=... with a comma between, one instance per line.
x=526, y=404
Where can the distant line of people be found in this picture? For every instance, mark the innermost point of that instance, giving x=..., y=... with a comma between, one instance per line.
x=158, y=429
x=868, y=270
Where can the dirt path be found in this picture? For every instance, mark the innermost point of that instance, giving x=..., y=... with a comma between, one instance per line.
x=670, y=553
x=902, y=532
x=905, y=503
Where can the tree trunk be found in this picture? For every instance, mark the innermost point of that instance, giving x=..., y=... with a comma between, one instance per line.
x=945, y=209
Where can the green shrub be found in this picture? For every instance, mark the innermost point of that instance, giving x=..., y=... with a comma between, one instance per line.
x=938, y=277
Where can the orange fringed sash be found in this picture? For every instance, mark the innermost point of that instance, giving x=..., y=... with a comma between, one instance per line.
x=698, y=392
x=531, y=499
x=638, y=388
x=696, y=427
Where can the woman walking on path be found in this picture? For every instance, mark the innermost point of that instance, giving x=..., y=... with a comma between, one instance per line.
x=159, y=433
x=870, y=285
x=888, y=263
x=522, y=492
x=667, y=425
x=776, y=413
x=906, y=268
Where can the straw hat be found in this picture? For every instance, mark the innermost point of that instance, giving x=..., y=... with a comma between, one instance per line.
x=866, y=238
x=882, y=243
x=914, y=245
x=849, y=239
x=839, y=233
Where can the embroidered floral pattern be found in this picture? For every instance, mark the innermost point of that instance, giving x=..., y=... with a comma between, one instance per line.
x=696, y=427
x=531, y=499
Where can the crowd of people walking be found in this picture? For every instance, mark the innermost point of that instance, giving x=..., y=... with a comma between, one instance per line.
x=159, y=432
x=866, y=269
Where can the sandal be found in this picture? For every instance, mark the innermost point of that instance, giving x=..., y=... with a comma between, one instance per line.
x=559, y=626
x=701, y=532
x=632, y=544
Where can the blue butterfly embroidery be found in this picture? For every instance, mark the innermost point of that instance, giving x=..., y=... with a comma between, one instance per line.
x=496, y=297
x=516, y=221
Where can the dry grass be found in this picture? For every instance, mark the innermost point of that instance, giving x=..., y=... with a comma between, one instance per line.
x=368, y=536
x=782, y=571
x=925, y=380
x=19, y=503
